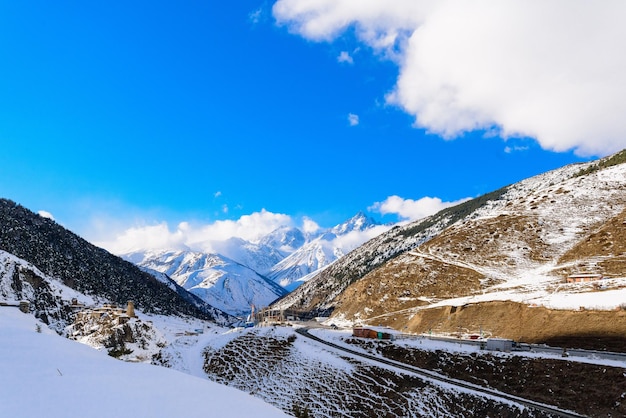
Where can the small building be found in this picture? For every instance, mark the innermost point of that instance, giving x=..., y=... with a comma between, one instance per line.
x=24, y=306
x=583, y=278
x=76, y=306
x=122, y=319
x=499, y=344
x=107, y=311
x=130, y=309
x=374, y=333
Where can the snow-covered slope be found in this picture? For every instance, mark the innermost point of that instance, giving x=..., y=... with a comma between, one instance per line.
x=49, y=298
x=219, y=281
x=46, y=375
x=286, y=239
x=259, y=257
x=324, y=249
x=307, y=259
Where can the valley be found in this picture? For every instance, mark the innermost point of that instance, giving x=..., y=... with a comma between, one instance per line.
x=539, y=263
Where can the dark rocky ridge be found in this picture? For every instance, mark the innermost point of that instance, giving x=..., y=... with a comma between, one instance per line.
x=86, y=268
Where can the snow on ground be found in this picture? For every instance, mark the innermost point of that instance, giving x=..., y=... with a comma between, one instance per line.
x=44, y=374
x=605, y=294
x=575, y=205
x=187, y=339
x=553, y=295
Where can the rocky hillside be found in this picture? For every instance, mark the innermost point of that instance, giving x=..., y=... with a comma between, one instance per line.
x=517, y=244
x=79, y=265
x=304, y=380
x=49, y=299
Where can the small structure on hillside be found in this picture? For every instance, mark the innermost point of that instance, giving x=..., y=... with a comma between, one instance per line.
x=499, y=344
x=272, y=316
x=23, y=305
x=269, y=316
x=374, y=333
x=109, y=310
x=583, y=277
x=130, y=309
x=75, y=305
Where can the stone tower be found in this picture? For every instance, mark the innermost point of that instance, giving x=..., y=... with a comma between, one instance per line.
x=130, y=309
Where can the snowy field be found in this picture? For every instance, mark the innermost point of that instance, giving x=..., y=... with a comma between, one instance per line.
x=45, y=375
x=572, y=296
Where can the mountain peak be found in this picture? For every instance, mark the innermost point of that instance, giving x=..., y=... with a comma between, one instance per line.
x=359, y=222
x=285, y=238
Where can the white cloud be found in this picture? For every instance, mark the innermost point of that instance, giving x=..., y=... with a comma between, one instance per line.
x=309, y=226
x=554, y=70
x=45, y=214
x=217, y=194
x=409, y=209
x=187, y=235
x=344, y=56
x=354, y=239
x=353, y=119
x=377, y=23
x=149, y=237
x=509, y=149
x=256, y=16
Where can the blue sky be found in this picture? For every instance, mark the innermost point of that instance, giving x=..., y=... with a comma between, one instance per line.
x=126, y=115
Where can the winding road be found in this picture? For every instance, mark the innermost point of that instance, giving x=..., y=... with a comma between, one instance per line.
x=429, y=375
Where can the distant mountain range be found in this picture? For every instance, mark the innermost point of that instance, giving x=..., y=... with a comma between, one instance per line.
x=322, y=250
x=217, y=280
x=247, y=273
x=211, y=286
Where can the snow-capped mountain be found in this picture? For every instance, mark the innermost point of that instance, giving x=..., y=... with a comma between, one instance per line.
x=218, y=280
x=285, y=239
x=239, y=273
x=307, y=259
x=260, y=257
x=359, y=222
x=324, y=249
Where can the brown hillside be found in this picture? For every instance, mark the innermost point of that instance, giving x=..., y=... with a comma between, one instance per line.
x=490, y=241
x=603, y=251
x=404, y=283
x=581, y=329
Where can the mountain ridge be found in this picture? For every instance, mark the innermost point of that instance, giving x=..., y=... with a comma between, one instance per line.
x=516, y=244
